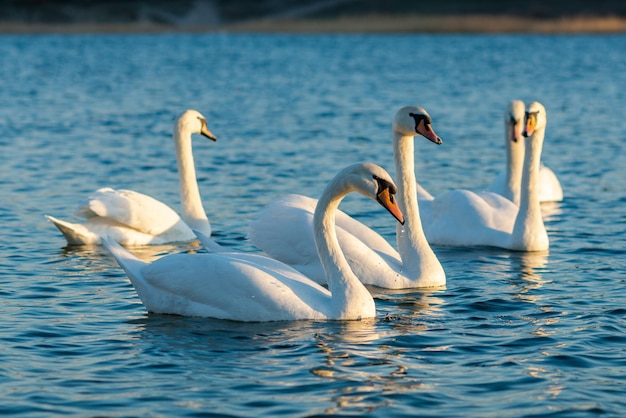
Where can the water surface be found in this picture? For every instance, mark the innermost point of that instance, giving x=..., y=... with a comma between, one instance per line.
x=512, y=334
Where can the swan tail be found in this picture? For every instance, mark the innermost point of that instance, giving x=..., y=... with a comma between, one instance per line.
x=75, y=234
x=208, y=244
x=127, y=260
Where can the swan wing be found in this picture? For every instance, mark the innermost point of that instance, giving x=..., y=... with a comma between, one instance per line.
x=131, y=209
x=550, y=189
x=465, y=218
x=284, y=231
x=233, y=286
x=357, y=231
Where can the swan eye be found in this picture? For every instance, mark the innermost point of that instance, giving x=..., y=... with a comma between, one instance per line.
x=532, y=114
x=382, y=184
x=419, y=118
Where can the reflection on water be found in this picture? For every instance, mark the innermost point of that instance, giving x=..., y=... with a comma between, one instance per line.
x=365, y=369
x=353, y=332
x=408, y=303
x=529, y=267
x=147, y=253
x=528, y=281
x=183, y=333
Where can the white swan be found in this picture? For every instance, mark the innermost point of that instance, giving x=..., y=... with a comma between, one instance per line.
x=507, y=182
x=465, y=218
x=250, y=287
x=133, y=218
x=370, y=256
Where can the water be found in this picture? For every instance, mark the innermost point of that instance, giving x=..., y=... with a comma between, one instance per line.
x=511, y=335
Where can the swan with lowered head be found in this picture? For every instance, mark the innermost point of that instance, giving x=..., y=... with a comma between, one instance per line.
x=133, y=218
x=465, y=218
x=507, y=182
x=370, y=256
x=250, y=287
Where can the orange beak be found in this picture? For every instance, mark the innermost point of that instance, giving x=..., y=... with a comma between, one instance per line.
x=427, y=132
x=529, y=126
x=205, y=132
x=388, y=201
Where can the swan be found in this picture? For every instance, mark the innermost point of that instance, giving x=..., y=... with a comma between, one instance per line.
x=465, y=218
x=250, y=287
x=132, y=218
x=370, y=256
x=507, y=182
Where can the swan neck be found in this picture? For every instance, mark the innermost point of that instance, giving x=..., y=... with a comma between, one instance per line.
x=193, y=212
x=530, y=178
x=412, y=245
x=403, y=154
x=514, y=166
x=349, y=296
x=529, y=222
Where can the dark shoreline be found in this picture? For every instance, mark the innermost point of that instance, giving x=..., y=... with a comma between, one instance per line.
x=363, y=24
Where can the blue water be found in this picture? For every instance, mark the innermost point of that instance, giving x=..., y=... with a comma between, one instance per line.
x=511, y=335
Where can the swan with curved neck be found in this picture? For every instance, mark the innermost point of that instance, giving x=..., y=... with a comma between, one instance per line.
x=374, y=261
x=250, y=287
x=133, y=218
x=465, y=218
x=508, y=182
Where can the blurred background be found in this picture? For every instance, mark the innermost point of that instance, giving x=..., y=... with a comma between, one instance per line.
x=315, y=15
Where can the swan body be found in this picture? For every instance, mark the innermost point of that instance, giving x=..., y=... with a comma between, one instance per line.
x=507, y=183
x=250, y=287
x=370, y=256
x=465, y=218
x=132, y=218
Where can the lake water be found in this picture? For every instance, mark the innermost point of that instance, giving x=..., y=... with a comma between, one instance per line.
x=511, y=335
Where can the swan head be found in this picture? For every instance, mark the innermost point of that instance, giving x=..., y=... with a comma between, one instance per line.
x=535, y=119
x=193, y=122
x=415, y=120
x=514, y=120
x=374, y=182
